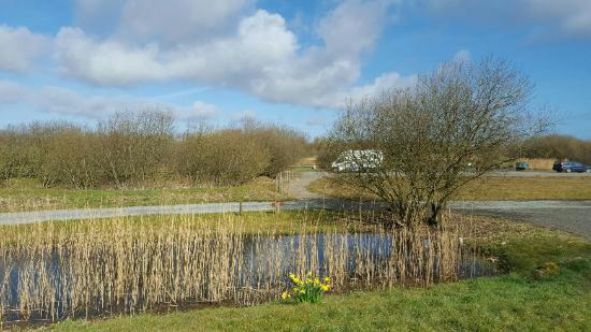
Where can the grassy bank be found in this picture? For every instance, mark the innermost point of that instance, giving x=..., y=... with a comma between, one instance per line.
x=284, y=222
x=27, y=196
x=531, y=297
x=503, y=303
x=486, y=189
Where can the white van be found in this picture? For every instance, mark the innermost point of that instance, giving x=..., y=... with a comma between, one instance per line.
x=356, y=160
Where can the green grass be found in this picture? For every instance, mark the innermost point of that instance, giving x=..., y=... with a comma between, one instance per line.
x=485, y=189
x=522, y=300
x=29, y=196
x=284, y=222
x=493, y=304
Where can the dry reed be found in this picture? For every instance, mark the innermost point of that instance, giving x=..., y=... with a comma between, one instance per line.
x=52, y=271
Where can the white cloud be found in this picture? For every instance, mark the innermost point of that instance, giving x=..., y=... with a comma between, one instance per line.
x=462, y=56
x=11, y=92
x=353, y=26
x=165, y=21
x=19, y=47
x=202, y=110
x=177, y=20
x=261, y=40
x=68, y=102
x=60, y=100
x=261, y=56
x=566, y=17
x=573, y=16
x=108, y=62
x=96, y=13
x=383, y=83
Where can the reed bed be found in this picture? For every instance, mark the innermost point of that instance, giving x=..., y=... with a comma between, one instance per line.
x=96, y=268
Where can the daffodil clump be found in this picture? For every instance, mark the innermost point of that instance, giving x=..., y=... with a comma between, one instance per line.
x=308, y=288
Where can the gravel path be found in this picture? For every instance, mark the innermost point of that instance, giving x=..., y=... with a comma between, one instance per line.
x=298, y=186
x=570, y=216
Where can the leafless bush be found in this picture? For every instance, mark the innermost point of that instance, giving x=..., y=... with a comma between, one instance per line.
x=139, y=149
x=556, y=147
x=222, y=158
x=462, y=114
x=135, y=147
x=283, y=145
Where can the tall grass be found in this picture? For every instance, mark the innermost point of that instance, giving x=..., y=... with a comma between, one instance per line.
x=52, y=271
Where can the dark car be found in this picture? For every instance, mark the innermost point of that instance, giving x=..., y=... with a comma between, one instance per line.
x=571, y=167
x=521, y=166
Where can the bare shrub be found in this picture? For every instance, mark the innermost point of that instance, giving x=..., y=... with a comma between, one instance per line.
x=225, y=157
x=283, y=145
x=556, y=147
x=141, y=149
x=462, y=114
x=135, y=146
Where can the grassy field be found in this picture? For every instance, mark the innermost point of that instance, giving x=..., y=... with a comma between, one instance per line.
x=548, y=287
x=487, y=188
x=26, y=196
x=284, y=222
x=29, y=195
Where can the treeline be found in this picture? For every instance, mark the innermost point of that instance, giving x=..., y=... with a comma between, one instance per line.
x=139, y=149
x=557, y=147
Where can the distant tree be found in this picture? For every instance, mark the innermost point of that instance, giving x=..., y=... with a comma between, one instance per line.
x=283, y=145
x=558, y=147
x=225, y=157
x=135, y=146
x=141, y=148
x=461, y=114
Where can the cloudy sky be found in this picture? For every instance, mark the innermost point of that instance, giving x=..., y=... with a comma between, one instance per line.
x=292, y=62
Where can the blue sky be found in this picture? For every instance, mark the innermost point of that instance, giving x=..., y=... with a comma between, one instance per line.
x=285, y=61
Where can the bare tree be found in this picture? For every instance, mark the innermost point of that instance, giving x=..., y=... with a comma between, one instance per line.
x=557, y=147
x=462, y=114
x=135, y=146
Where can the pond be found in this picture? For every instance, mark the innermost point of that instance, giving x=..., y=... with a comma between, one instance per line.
x=81, y=279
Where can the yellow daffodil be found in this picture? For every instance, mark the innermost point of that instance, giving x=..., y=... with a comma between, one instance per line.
x=285, y=295
x=327, y=279
x=325, y=288
x=295, y=279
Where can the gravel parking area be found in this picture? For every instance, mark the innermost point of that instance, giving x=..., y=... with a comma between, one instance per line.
x=569, y=216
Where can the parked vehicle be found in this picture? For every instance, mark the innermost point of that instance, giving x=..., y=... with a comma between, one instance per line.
x=358, y=160
x=571, y=167
x=521, y=166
